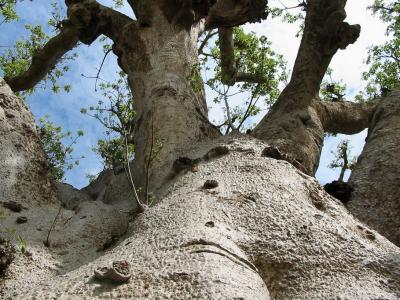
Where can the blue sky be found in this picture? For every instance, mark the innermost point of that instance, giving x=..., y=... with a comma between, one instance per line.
x=64, y=108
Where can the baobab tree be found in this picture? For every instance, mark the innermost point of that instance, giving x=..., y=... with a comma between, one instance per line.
x=238, y=216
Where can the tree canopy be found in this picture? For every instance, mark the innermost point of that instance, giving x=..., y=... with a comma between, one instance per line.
x=187, y=207
x=264, y=72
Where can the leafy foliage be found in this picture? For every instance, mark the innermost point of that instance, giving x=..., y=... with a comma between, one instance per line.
x=343, y=158
x=194, y=78
x=116, y=113
x=53, y=140
x=11, y=233
x=290, y=13
x=332, y=90
x=113, y=152
x=384, y=60
x=253, y=55
x=389, y=12
x=17, y=59
x=7, y=11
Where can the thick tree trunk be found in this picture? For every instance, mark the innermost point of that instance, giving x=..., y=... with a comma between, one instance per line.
x=231, y=221
x=262, y=230
x=169, y=97
x=24, y=169
x=376, y=179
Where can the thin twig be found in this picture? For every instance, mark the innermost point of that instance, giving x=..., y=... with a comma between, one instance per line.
x=228, y=113
x=101, y=66
x=150, y=159
x=209, y=35
x=249, y=107
x=94, y=77
x=141, y=206
x=47, y=242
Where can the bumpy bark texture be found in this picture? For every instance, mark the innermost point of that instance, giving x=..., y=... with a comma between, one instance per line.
x=376, y=179
x=234, y=220
x=81, y=231
x=267, y=231
x=24, y=171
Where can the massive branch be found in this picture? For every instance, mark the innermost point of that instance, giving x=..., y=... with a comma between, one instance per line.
x=87, y=20
x=44, y=60
x=94, y=19
x=293, y=124
x=375, y=178
x=324, y=34
x=345, y=117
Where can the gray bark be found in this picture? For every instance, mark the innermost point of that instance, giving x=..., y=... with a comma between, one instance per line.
x=267, y=231
x=293, y=125
x=24, y=171
x=162, y=65
x=376, y=177
x=345, y=117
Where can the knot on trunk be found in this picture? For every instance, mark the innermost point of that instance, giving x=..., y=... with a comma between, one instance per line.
x=83, y=16
x=210, y=184
x=216, y=152
x=275, y=153
x=340, y=190
x=333, y=32
x=119, y=272
x=230, y=13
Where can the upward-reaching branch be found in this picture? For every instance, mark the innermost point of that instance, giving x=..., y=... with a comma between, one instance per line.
x=293, y=124
x=324, y=34
x=86, y=21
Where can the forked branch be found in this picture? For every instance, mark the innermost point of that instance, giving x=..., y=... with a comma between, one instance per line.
x=293, y=125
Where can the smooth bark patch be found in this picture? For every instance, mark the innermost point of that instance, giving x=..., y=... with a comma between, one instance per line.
x=275, y=153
